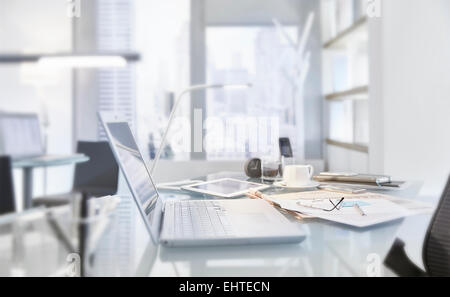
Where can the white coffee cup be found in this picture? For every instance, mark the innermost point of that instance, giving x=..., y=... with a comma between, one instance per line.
x=298, y=175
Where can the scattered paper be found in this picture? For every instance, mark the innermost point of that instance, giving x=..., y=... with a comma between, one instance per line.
x=376, y=211
x=378, y=208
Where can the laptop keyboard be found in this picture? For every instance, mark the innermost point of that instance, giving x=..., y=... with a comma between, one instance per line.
x=201, y=219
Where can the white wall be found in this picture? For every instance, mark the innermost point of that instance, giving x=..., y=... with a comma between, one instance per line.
x=343, y=159
x=412, y=91
x=35, y=27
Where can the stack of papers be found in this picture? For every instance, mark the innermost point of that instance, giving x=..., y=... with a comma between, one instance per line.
x=374, y=208
x=376, y=211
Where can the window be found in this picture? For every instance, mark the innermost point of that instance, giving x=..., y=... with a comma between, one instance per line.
x=162, y=30
x=116, y=87
x=244, y=123
x=238, y=123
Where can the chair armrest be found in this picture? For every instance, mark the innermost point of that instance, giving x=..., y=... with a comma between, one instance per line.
x=398, y=261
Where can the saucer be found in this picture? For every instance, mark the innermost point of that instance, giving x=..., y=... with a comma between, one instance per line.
x=312, y=185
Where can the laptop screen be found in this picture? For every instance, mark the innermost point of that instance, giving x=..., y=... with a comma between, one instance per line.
x=20, y=135
x=136, y=173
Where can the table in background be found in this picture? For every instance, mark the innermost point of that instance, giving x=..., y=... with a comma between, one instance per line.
x=28, y=164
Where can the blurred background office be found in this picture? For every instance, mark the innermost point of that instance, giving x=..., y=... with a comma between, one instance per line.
x=368, y=91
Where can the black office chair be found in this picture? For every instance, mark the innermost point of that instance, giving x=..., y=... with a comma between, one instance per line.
x=7, y=201
x=436, y=249
x=98, y=177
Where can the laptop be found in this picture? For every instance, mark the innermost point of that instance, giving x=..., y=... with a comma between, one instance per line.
x=194, y=222
x=20, y=135
x=21, y=138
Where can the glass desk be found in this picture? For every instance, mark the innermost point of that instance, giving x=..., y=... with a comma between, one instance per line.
x=28, y=164
x=329, y=249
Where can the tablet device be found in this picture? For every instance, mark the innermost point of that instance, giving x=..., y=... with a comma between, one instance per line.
x=225, y=188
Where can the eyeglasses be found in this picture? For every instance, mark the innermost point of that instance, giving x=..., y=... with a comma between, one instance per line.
x=320, y=205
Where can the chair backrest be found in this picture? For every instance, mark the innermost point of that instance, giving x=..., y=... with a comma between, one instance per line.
x=7, y=201
x=436, y=251
x=99, y=176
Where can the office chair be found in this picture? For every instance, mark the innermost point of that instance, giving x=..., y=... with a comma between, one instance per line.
x=7, y=201
x=98, y=177
x=436, y=248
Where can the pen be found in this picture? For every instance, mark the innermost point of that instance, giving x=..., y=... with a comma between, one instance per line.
x=359, y=210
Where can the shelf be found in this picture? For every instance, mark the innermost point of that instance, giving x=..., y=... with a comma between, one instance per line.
x=340, y=39
x=32, y=58
x=363, y=148
x=343, y=95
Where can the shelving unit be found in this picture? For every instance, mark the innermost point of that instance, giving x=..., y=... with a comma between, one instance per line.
x=346, y=85
x=363, y=148
x=339, y=41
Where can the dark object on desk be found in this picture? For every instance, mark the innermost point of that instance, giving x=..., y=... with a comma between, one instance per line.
x=98, y=177
x=285, y=147
x=436, y=248
x=253, y=168
x=7, y=201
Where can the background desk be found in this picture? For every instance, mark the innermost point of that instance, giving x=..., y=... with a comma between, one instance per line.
x=329, y=249
x=28, y=164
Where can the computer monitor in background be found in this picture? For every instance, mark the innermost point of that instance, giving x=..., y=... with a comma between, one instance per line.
x=20, y=135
